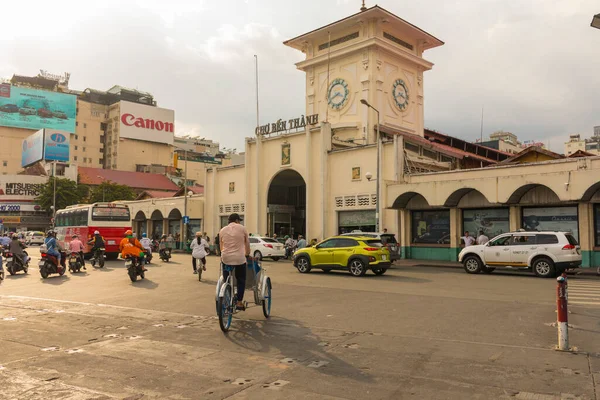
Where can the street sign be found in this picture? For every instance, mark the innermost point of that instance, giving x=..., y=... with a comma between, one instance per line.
x=186, y=219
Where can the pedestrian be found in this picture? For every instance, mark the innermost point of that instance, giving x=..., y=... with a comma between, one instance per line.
x=217, y=248
x=468, y=239
x=199, y=248
x=482, y=238
x=235, y=249
x=313, y=242
x=177, y=240
x=384, y=230
x=275, y=236
x=301, y=242
x=170, y=242
x=289, y=246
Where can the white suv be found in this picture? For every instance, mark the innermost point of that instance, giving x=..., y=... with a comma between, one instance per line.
x=546, y=253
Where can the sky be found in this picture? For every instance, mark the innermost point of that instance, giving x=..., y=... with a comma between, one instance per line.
x=533, y=65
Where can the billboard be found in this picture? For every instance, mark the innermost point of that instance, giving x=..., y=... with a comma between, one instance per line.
x=37, y=109
x=492, y=221
x=561, y=219
x=46, y=144
x=146, y=123
x=33, y=149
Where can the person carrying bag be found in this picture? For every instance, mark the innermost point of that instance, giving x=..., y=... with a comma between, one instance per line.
x=200, y=249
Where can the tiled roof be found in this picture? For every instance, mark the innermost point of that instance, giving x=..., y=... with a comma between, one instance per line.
x=196, y=189
x=156, y=194
x=135, y=180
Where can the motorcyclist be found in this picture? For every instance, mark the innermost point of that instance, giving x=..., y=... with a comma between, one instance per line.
x=146, y=243
x=16, y=248
x=97, y=242
x=52, y=246
x=4, y=240
x=76, y=246
x=131, y=247
x=162, y=246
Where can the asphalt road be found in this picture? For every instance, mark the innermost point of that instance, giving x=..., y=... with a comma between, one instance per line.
x=418, y=332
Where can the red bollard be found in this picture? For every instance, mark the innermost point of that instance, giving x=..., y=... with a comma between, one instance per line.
x=562, y=314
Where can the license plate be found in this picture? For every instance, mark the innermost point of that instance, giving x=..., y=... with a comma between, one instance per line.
x=41, y=263
x=112, y=242
x=9, y=259
x=384, y=257
x=73, y=259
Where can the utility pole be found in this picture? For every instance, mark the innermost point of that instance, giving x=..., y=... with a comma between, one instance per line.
x=185, y=210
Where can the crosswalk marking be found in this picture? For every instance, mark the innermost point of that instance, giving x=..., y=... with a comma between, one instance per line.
x=585, y=293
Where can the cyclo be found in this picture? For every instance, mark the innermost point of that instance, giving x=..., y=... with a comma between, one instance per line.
x=226, y=292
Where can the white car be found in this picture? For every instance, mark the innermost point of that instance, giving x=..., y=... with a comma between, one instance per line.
x=34, y=238
x=265, y=247
x=546, y=253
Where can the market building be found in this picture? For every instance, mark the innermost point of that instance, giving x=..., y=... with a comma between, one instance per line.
x=325, y=171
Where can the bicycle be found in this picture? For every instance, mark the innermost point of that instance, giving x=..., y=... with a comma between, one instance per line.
x=226, y=292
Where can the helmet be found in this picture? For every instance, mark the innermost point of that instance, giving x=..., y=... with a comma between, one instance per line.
x=144, y=234
x=96, y=233
x=164, y=235
x=128, y=232
x=50, y=233
x=74, y=235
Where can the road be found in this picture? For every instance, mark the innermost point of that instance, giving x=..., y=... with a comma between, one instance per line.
x=418, y=332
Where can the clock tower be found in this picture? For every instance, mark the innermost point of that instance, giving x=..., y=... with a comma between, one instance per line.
x=372, y=55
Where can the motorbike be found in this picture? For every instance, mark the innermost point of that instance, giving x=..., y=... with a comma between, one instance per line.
x=15, y=264
x=165, y=255
x=49, y=263
x=154, y=246
x=75, y=262
x=98, y=257
x=148, y=256
x=134, y=268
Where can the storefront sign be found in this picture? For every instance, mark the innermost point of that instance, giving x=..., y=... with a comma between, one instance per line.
x=21, y=189
x=10, y=220
x=282, y=126
x=19, y=207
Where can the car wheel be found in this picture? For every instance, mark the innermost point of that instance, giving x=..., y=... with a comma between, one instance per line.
x=487, y=270
x=472, y=264
x=275, y=258
x=544, y=267
x=303, y=265
x=258, y=255
x=357, y=267
x=379, y=271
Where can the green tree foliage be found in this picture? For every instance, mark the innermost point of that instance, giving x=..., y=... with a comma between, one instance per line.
x=67, y=193
x=109, y=191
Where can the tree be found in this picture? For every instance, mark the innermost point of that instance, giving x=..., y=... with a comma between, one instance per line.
x=67, y=194
x=109, y=191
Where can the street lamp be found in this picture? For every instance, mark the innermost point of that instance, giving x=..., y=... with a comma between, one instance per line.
x=596, y=21
x=368, y=175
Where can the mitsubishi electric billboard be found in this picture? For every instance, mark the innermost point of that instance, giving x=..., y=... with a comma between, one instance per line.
x=45, y=144
x=37, y=109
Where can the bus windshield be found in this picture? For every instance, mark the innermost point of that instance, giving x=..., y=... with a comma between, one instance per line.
x=107, y=213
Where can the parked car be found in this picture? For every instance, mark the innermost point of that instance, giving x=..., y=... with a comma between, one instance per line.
x=9, y=108
x=356, y=254
x=34, y=238
x=44, y=113
x=546, y=253
x=265, y=247
x=387, y=239
x=27, y=111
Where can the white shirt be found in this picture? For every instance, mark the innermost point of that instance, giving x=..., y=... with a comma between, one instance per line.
x=146, y=243
x=199, y=248
x=482, y=239
x=469, y=240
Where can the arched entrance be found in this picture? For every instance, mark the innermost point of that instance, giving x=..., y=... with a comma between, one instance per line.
x=139, y=222
x=175, y=222
x=157, y=223
x=286, y=204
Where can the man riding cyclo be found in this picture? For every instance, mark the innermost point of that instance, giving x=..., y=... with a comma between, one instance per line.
x=131, y=247
x=235, y=251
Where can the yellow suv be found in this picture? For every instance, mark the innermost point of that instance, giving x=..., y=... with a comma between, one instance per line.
x=356, y=254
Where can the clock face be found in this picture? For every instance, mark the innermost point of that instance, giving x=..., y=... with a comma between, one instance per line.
x=400, y=94
x=337, y=94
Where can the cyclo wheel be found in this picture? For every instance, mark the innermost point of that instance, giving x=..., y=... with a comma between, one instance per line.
x=224, y=305
x=266, y=303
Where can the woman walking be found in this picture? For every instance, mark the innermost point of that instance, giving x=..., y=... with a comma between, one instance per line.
x=199, y=248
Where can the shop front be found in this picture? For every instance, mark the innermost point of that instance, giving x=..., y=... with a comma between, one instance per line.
x=563, y=218
x=358, y=220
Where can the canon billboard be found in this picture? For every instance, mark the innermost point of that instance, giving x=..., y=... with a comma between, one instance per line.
x=147, y=123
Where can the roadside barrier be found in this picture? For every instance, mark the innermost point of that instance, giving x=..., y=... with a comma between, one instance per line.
x=562, y=313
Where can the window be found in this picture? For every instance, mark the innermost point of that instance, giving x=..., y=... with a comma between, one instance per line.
x=556, y=219
x=76, y=137
x=84, y=149
x=522, y=240
x=397, y=41
x=337, y=41
x=492, y=221
x=102, y=126
x=84, y=159
x=5, y=163
x=444, y=158
x=74, y=158
x=328, y=244
x=501, y=241
x=104, y=213
x=75, y=147
x=345, y=243
x=430, y=227
x=546, y=239
x=430, y=154
x=411, y=147
x=572, y=240
x=269, y=240
x=254, y=240
x=85, y=126
x=374, y=243
x=84, y=138
x=76, y=123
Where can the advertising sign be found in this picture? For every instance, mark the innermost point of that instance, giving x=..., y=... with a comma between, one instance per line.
x=33, y=149
x=37, y=109
x=148, y=123
x=492, y=221
x=56, y=145
x=560, y=219
x=15, y=188
x=431, y=227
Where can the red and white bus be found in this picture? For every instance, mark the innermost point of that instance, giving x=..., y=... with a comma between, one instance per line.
x=110, y=219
